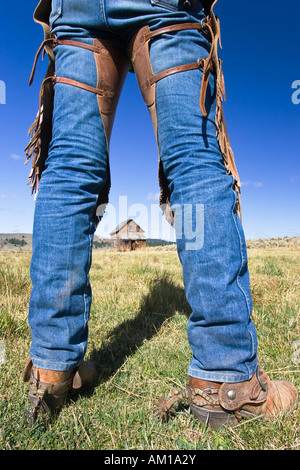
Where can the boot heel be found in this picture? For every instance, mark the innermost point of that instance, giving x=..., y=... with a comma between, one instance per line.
x=213, y=419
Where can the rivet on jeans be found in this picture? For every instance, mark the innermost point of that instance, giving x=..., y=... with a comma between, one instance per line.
x=187, y=4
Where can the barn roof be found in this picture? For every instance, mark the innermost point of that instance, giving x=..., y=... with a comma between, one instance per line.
x=122, y=224
x=119, y=227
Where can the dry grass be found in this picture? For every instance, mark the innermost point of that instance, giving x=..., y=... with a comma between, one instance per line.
x=138, y=341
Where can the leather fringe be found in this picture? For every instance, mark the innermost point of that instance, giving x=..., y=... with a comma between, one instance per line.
x=41, y=133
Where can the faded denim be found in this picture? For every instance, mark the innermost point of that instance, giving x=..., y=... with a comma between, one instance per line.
x=214, y=264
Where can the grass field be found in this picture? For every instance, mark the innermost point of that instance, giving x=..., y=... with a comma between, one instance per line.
x=138, y=342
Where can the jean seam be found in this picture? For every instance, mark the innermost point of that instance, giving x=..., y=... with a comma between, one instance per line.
x=49, y=365
x=103, y=13
x=242, y=264
x=86, y=308
x=219, y=377
x=164, y=5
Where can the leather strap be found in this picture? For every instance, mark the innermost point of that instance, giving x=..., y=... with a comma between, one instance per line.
x=206, y=65
x=53, y=42
x=172, y=28
x=83, y=86
x=207, y=68
x=148, y=37
x=173, y=70
x=40, y=49
x=83, y=45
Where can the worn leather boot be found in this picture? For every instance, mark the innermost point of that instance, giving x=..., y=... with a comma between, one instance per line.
x=217, y=404
x=49, y=389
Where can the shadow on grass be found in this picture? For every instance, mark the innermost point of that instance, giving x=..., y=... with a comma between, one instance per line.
x=163, y=300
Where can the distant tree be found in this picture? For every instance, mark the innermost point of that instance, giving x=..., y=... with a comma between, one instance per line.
x=16, y=241
x=101, y=244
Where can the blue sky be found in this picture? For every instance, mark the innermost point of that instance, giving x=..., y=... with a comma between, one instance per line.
x=261, y=50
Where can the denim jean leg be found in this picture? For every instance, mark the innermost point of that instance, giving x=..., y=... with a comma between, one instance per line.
x=210, y=238
x=76, y=169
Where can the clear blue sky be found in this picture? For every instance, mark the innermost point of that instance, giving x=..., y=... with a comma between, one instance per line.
x=261, y=49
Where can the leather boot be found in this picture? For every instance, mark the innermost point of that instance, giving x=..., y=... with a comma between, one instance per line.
x=49, y=389
x=216, y=404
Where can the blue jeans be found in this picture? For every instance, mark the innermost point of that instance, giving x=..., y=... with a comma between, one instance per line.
x=213, y=254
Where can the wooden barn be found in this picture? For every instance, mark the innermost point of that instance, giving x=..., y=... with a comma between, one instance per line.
x=128, y=236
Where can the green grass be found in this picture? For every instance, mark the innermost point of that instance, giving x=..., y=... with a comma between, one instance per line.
x=138, y=342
